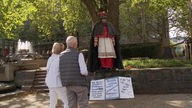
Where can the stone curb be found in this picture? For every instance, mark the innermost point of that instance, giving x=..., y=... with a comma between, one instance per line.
x=12, y=94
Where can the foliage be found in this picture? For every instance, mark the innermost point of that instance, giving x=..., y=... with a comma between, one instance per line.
x=183, y=17
x=50, y=18
x=29, y=31
x=47, y=18
x=140, y=50
x=137, y=17
x=13, y=13
x=55, y=17
x=156, y=63
x=153, y=11
x=129, y=20
x=76, y=19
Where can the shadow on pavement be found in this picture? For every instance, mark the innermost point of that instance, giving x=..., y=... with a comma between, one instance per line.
x=41, y=100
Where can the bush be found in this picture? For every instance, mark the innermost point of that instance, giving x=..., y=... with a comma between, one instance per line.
x=140, y=50
x=156, y=63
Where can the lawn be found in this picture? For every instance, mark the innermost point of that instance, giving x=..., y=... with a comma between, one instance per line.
x=156, y=63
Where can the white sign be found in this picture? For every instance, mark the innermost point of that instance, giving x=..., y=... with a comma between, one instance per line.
x=97, y=90
x=111, y=88
x=125, y=87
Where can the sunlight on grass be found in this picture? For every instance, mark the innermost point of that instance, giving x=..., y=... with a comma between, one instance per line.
x=156, y=63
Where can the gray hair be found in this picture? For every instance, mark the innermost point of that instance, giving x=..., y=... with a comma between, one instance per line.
x=70, y=41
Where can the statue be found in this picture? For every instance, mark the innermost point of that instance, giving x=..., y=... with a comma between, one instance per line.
x=104, y=52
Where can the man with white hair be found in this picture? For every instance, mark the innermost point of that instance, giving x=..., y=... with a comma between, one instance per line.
x=73, y=72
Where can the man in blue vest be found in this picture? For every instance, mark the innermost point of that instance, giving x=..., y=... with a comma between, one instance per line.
x=73, y=72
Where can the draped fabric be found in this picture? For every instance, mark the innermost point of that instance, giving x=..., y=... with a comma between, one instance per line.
x=106, y=51
x=106, y=54
x=106, y=44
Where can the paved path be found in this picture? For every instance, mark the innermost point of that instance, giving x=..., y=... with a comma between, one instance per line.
x=41, y=100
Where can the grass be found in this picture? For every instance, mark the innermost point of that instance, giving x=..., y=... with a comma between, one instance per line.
x=156, y=63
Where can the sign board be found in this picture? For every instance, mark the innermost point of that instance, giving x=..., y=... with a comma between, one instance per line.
x=97, y=90
x=125, y=87
x=111, y=88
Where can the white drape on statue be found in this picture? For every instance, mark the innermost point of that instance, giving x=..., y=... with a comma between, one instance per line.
x=106, y=48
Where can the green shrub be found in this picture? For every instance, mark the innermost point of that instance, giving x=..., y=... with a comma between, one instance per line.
x=156, y=63
x=140, y=50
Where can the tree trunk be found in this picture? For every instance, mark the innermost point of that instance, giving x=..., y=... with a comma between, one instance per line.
x=113, y=11
x=92, y=8
x=143, y=33
x=165, y=51
x=188, y=45
x=190, y=17
x=113, y=14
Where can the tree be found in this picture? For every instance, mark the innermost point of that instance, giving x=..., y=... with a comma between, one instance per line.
x=112, y=6
x=28, y=31
x=163, y=8
x=56, y=16
x=149, y=19
x=13, y=13
x=146, y=19
x=183, y=16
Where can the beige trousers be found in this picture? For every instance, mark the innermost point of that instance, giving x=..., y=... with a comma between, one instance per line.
x=77, y=96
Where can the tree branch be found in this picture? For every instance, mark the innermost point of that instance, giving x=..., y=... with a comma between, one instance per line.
x=92, y=8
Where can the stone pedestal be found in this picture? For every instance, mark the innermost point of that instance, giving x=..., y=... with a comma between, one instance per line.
x=7, y=72
x=154, y=80
x=24, y=79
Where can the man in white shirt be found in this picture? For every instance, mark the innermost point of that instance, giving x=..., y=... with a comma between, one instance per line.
x=73, y=72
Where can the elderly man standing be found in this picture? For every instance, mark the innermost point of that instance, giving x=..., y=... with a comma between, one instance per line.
x=73, y=72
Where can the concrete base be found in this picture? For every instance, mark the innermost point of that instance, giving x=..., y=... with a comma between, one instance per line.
x=31, y=64
x=7, y=72
x=6, y=87
x=24, y=78
x=155, y=80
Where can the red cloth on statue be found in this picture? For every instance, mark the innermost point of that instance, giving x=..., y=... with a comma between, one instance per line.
x=106, y=62
x=105, y=32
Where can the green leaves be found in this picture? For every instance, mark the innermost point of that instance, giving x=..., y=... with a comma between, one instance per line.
x=75, y=15
x=13, y=13
x=156, y=63
x=49, y=16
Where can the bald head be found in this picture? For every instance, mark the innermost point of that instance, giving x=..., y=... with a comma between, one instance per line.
x=71, y=42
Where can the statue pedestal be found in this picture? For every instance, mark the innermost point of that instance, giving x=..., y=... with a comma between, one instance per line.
x=108, y=73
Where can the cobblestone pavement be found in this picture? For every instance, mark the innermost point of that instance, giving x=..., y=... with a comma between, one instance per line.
x=41, y=100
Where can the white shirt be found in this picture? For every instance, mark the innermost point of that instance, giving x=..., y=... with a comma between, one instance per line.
x=82, y=65
x=53, y=75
